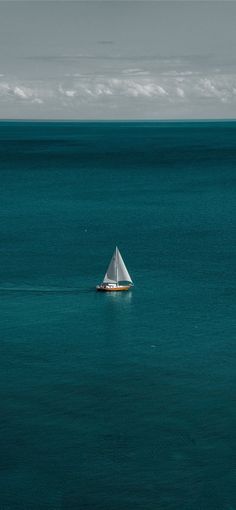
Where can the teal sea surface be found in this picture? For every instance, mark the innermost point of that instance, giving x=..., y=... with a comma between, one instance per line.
x=120, y=401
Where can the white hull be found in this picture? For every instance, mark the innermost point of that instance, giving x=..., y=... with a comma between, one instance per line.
x=112, y=288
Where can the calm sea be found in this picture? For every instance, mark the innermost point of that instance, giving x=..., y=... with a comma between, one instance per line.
x=119, y=401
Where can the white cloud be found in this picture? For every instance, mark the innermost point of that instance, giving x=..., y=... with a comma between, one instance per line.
x=179, y=74
x=126, y=90
x=102, y=89
x=207, y=87
x=161, y=91
x=67, y=92
x=37, y=100
x=136, y=87
x=130, y=87
x=19, y=92
x=221, y=88
x=136, y=71
x=70, y=93
x=180, y=92
x=4, y=89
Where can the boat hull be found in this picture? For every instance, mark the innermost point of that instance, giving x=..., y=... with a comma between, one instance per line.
x=119, y=288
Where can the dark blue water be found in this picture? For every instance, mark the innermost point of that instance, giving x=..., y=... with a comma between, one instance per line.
x=118, y=401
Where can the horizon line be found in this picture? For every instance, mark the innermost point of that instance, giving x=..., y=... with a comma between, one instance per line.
x=210, y=119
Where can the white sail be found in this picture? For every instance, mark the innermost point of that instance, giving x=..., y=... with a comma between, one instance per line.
x=116, y=271
x=111, y=274
x=123, y=275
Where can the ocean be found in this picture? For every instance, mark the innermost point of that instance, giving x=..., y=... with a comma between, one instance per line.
x=118, y=401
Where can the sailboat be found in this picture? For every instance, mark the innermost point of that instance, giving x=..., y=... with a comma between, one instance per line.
x=117, y=277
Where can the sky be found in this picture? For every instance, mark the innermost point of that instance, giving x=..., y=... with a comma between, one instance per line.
x=117, y=59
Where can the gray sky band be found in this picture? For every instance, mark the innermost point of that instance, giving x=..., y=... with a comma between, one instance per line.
x=117, y=59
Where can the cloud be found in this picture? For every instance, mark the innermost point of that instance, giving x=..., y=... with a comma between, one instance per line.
x=218, y=88
x=66, y=92
x=19, y=92
x=70, y=93
x=180, y=92
x=173, y=60
x=37, y=100
x=129, y=90
x=103, y=89
x=4, y=89
x=180, y=74
x=136, y=87
x=136, y=71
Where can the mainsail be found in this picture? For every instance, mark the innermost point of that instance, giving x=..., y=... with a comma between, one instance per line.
x=117, y=271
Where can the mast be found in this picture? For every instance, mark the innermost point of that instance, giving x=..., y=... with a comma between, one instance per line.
x=116, y=267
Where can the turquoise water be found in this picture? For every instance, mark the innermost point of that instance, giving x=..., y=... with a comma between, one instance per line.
x=118, y=401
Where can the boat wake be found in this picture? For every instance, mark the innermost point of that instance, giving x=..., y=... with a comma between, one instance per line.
x=44, y=290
